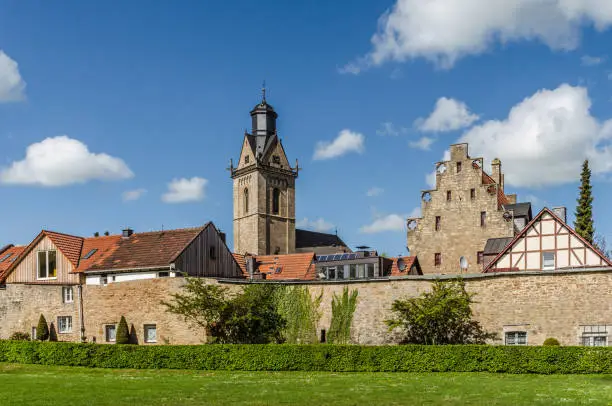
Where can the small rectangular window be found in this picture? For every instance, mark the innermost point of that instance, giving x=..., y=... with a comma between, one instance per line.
x=479, y=257
x=163, y=274
x=370, y=270
x=212, y=252
x=483, y=218
x=340, y=272
x=47, y=265
x=331, y=272
x=110, y=332
x=516, y=338
x=437, y=259
x=68, y=294
x=458, y=167
x=448, y=195
x=150, y=333
x=548, y=261
x=438, y=220
x=352, y=271
x=64, y=324
x=595, y=340
x=246, y=159
x=472, y=194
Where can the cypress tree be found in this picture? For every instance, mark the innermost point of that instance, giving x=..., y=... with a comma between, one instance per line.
x=584, y=210
x=42, y=329
x=123, y=333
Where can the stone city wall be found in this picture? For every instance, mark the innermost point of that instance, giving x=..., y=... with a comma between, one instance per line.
x=543, y=305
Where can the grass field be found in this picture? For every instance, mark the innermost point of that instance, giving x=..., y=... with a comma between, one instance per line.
x=42, y=385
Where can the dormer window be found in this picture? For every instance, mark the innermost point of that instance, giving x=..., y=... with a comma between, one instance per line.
x=47, y=264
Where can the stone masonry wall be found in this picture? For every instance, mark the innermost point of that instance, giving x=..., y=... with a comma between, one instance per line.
x=552, y=304
x=21, y=306
x=460, y=231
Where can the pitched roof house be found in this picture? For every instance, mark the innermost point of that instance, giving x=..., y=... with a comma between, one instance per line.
x=547, y=243
x=56, y=258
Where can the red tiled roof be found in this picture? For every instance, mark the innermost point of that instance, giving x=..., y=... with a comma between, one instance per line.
x=104, y=247
x=501, y=197
x=240, y=259
x=69, y=245
x=408, y=261
x=6, y=264
x=290, y=266
x=141, y=250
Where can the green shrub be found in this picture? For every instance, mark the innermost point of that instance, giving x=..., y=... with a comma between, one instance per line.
x=340, y=358
x=123, y=332
x=42, y=329
x=20, y=336
x=551, y=341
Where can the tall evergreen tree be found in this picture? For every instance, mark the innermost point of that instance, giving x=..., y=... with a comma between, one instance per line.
x=42, y=329
x=584, y=211
x=123, y=333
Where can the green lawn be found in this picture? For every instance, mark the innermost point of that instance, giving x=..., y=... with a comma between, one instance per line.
x=43, y=385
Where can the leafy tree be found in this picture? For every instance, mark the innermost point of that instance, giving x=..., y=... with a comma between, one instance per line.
x=442, y=316
x=42, y=329
x=250, y=316
x=343, y=308
x=584, y=210
x=123, y=332
x=600, y=242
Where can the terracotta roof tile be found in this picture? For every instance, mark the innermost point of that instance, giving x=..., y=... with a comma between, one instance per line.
x=142, y=250
x=408, y=261
x=289, y=267
x=6, y=263
x=240, y=259
x=69, y=245
x=103, y=246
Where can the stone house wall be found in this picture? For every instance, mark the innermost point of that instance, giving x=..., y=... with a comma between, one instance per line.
x=460, y=233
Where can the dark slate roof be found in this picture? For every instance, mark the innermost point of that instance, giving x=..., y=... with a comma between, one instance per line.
x=520, y=209
x=306, y=238
x=496, y=245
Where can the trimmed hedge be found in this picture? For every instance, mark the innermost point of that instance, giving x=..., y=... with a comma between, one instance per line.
x=338, y=358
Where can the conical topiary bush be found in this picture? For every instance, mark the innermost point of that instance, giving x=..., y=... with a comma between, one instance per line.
x=123, y=333
x=42, y=329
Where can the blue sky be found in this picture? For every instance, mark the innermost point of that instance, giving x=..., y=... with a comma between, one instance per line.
x=103, y=98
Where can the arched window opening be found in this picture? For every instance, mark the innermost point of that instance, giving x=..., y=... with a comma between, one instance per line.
x=275, y=201
x=246, y=201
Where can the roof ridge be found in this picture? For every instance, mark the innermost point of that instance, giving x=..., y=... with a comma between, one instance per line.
x=171, y=230
x=60, y=233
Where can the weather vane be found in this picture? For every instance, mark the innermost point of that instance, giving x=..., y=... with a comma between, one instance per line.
x=263, y=91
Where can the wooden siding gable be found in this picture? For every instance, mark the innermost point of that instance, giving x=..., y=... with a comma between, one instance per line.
x=207, y=255
x=25, y=269
x=547, y=233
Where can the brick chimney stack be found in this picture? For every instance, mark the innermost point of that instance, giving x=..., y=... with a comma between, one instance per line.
x=496, y=173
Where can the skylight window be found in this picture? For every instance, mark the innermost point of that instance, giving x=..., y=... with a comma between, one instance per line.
x=4, y=258
x=90, y=253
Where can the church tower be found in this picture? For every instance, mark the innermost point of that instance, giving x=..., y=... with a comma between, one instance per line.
x=264, y=189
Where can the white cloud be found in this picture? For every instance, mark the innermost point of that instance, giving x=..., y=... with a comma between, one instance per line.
x=443, y=31
x=545, y=138
x=423, y=143
x=390, y=222
x=131, y=195
x=347, y=141
x=448, y=115
x=587, y=60
x=185, y=190
x=389, y=128
x=61, y=161
x=374, y=191
x=316, y=225
x=12, y=85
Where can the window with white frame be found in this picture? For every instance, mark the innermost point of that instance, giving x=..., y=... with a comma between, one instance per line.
x=110, y=333
x=150, y=333
x=47, y=264
x=67, y=294
x=516, y=338
x=64, y=324
x=548, y=261
x=594, y=336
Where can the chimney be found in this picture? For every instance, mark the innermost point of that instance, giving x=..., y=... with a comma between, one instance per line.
x=560, y=212
x=496, y=173
x=127, y=232
x=250, y=265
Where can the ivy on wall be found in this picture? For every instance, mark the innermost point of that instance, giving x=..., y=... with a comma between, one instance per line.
x=301, y=312
x=343, y=308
